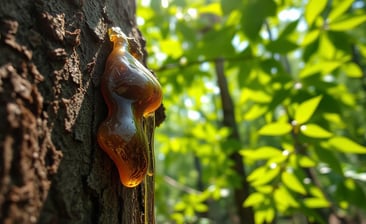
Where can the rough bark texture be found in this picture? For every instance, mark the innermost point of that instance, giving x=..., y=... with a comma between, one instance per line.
x=52, y=170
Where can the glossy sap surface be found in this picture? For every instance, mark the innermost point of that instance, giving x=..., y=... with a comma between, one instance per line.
x=130, y=92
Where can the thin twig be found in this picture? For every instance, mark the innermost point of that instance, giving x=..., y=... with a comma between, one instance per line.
x=178, y=64
x=283, y=58
x=180, y=186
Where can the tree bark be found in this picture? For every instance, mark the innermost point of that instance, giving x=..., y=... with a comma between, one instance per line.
x=52, y=54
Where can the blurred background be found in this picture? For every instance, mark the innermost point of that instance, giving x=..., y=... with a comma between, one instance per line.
x=265, y=103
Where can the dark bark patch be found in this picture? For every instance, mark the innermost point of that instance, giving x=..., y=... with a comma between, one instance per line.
x=8, y=30
x=25, y=176
x=24, y=172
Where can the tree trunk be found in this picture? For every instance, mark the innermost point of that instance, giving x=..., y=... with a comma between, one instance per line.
x=51, y=167
x=245, y=214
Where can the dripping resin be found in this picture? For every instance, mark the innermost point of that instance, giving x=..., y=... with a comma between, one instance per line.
x=131, y=92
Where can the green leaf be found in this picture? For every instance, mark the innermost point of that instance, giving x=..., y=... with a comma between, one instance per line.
x=346, y=145
x=180, y=206
x=339, y=8
x=261, y=153
x=362, y=49
x=289, y=29
x=227, y=6
x=257, y=173
x=254, y=199
x=334, y=119
x=171, y=47
x=264, y=213
x=352, y=70
x=291, y=181
x=306, y=109
x=314, y=131
x=220, y=38
x=284, y=199
x=266, y=177
x=254, y=14
x=305, y=161
x=323, y=67
x=326, y=47
x=178, y=217
x=265, y=189
x=347, y=23
x=275, y=129
x=213, y=8
x=259, y=96
x=282, y=46
x=269, y=214
x=316, y=203
x=255, y=111
x=313, y=9
x=316, y=192
x=199, y=207
x=310, y=37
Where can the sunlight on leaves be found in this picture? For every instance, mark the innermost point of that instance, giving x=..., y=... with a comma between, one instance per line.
x=275, y=129
x=214, y=8
x=268, y=176
x=347, y=23
x=261, y=153
x=172, y=47
x=306, y=109
x=314, y=131
x=254, y=199
x=313, y=9
x=346, y=145
x=255, y=112
x=285, y=199
x=305, y=161
x=298, y=60
x=316, y=203
x=326, y=48
x=352, y=70
x=310, y=37
x=265, y=214
x=291, y=181
x=257, y=173
x=339, y=8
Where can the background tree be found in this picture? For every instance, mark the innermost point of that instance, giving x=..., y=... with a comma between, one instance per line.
x=51, y=168
x=281, y=84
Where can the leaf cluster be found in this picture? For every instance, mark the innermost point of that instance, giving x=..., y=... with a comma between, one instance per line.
x=296, y=73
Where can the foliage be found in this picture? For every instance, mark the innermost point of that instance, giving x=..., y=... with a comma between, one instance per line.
x=296, y=72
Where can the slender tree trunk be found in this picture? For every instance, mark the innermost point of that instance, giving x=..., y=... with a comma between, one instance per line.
x=52, y=54
x=246, y=214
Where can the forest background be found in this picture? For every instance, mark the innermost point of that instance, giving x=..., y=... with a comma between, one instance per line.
x=265, y=104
